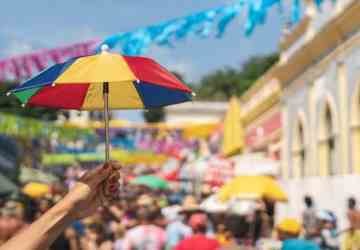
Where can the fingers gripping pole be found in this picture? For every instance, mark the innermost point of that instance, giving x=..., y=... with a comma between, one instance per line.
x=106, y=120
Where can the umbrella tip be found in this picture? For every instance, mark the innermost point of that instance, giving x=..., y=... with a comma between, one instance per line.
x=8, y=93
x=104, y=47
x=193, y=94
x=23, y=105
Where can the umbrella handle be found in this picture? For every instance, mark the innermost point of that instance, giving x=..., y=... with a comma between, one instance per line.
x=106, y=120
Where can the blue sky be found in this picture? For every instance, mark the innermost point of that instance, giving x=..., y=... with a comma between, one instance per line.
x=30, y=25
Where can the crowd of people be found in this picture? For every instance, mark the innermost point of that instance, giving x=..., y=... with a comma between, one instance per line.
x=141, y=218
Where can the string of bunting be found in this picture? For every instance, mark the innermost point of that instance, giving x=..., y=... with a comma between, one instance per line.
x=24, y=127
x=201, y=24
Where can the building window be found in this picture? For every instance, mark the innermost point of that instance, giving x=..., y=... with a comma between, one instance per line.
x=356, y=134
x=302, y=150
x=327, y=147
x=330, y=142
x=299, y=152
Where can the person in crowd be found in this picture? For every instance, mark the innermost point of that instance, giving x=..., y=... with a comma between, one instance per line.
x=288, y=231
x=261, y=226
x=329, y=239
x=198, y=222
x=225, y=238
x=309, y=219
x=351, y=238
x=146, y=235
x=176, y=230
x=353, y=214
x=11, y=220
x=119, y=237
x=91, y=191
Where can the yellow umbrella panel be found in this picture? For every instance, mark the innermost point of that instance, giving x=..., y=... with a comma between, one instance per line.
x=252, y=186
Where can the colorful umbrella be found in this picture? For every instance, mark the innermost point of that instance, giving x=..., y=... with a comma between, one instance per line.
x=36, y=190
x=7, y=186
x=102, y=82
x=36, y=175
x=150, y=181
x=245, y=187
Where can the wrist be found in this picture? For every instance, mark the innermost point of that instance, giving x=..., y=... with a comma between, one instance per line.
x=65, y=209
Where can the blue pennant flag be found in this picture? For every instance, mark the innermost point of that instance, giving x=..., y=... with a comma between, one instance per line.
x=201, y=24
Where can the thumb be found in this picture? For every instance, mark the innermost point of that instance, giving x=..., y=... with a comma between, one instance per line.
x=99, y=174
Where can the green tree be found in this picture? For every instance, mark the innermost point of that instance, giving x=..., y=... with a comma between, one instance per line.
x=154, y=115
x=223, y=83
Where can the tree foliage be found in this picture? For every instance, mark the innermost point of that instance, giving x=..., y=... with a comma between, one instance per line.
x=223, y=83
x=154, y=115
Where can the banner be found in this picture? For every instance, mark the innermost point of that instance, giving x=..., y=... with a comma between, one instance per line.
x=25, y=66
x=27, y=127
x=201, y=24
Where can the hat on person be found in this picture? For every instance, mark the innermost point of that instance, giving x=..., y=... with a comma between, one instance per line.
x=289, y=225
x=145, y=200
x=325, y=216
x=198, y=220
x=190, y=204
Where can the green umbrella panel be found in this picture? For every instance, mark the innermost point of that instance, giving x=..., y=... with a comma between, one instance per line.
x=7, y=186
x=151, y=181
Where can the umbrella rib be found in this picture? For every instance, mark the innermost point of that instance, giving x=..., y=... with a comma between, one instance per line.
x=30, y=87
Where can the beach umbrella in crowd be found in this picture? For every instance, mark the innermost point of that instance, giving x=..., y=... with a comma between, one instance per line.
x=36, y=190
x=212, y=204
x=245, y=187
x=102, y=82
x=7, y=186
x=150, y=181
x=36, y=175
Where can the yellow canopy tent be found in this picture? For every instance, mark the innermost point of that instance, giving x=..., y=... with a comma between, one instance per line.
x=201, y=130
x=233, y=141
x=97, y=124
x=252, y=187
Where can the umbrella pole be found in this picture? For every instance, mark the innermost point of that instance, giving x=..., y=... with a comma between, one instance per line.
x=106, y=120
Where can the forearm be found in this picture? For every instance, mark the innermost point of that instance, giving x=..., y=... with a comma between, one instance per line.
x=42, y=233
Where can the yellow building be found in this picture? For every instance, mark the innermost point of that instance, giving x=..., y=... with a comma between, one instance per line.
x=319, y=70
x=262, y=118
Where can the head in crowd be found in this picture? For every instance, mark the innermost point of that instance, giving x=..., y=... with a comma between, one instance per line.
x=351, y=203
x=147, y=215
x=198, y=223
x=308, y=201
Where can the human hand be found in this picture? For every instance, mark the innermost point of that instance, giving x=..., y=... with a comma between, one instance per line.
x=95, y=188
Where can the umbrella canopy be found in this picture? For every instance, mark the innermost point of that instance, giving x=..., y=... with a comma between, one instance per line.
x=36, y=190
x=133, y=83
x=102, y=82
x=36, y=175
x=233, y=141
x=150, y=181
x=213, y=205
x=7, y=186
x=252, y=187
